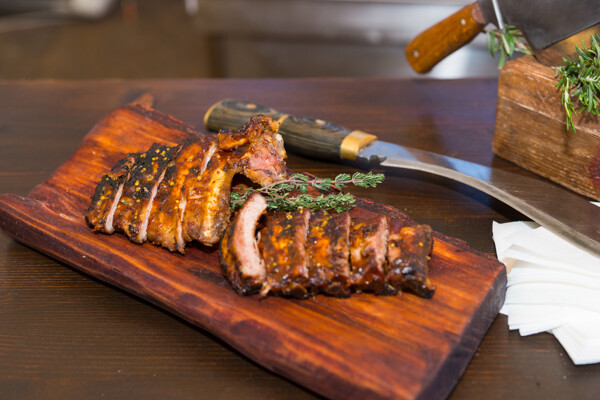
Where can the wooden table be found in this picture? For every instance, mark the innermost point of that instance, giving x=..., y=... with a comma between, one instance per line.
x=65, y=335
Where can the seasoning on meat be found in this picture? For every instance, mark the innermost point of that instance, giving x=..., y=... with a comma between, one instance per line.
x=192, y=203
x=284, y=252
x=303, y=253
x=368, y=249
x=327, y=246
x=409, y=248
x=107, y=196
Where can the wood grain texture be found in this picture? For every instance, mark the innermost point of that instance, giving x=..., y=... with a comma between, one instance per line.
x=439, y=41
x=64, y=334
x=531, y=132
x=366, y=346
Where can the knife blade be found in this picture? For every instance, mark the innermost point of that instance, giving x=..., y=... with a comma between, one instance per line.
x=546, y=24
x=566, y=214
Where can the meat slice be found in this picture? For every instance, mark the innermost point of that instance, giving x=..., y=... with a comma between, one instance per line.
x=284, y=253
x=255, y=151
x=328, y=252
x=260, y=148
x=368, y=249
x=107, y=196
x=241, y=261
x=207, y=212
x=133, y=209
x=173, y=195
x=164, y=225
x=409, y=248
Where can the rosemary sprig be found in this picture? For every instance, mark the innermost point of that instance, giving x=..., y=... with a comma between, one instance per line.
x=579, y=81
x=279, y=195
x=506, y=41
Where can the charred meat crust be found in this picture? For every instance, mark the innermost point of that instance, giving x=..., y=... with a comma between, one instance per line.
x=327, y=247
x=107, y=195
x=138, y=189
x=308, y=253
x=368, y=249
x=164, y=225
x=170, y=195
x=409, y=248
x=241, y=261
x=284, y=252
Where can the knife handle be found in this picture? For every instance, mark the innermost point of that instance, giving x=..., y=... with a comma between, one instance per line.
x=444, y=38
x=302, y=135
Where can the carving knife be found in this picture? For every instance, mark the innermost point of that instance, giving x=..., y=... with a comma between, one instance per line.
x=551, y=27
x=560, y=211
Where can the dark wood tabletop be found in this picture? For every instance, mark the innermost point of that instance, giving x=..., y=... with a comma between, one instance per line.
x=66, y=335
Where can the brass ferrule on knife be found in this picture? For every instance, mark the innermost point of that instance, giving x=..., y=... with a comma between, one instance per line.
x=353, y=143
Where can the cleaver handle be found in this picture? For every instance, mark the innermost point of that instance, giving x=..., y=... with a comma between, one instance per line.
x=444, y=38
x=312, y=137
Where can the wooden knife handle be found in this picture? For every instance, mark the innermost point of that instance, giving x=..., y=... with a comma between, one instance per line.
x=444, y=38
x=312, y=137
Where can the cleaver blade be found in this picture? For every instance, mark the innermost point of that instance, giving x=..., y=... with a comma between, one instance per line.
x=552, y=29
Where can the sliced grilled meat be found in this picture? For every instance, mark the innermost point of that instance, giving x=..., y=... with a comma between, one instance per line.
x=138, y=192
x=164, y=226
x=256, y=151
x=172, y=195
x=207, y=211
x=368, y=249
x=409, y=248
x=328, y=251
x=284, y=252
x=241, y=261
x=306, y=254
x=107, y=196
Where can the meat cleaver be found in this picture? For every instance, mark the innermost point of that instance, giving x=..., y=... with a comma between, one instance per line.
x=567, y=214
x=552, y=29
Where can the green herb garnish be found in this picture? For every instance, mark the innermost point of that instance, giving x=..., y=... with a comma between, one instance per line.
x=579, y=81
x=506, y=41
x=279, y=197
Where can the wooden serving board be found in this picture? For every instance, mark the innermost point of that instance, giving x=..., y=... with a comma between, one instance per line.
x=365, y=346
x=531, y=129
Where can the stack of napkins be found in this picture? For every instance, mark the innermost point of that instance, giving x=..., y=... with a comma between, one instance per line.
x=553, y=287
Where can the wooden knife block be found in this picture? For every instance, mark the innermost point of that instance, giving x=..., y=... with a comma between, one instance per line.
x=531, y=130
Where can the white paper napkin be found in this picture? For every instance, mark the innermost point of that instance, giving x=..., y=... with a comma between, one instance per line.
x=553, y=287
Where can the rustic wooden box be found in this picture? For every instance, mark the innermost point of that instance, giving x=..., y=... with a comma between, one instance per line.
x=531, y=132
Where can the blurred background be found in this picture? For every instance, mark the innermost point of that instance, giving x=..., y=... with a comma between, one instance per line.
x=89, y=39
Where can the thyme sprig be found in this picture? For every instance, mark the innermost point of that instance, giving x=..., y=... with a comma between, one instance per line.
x=579, y=81
x=290, y=194
x=506, y=41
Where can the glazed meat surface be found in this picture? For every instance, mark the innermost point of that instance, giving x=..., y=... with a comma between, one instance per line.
x=368, y=248
x=328, y=249
x=305, y=253
x=165, y=224
x=107, y=196
x=133, y=209
x=171, y=195
x=408, y=246
x=284, y=252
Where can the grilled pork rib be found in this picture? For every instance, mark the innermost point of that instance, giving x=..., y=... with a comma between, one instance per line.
x=408, y=246
x=171, y=195
x=300, y=254
x=284, y=253
x=107, y=196
x=241, y=261
x=328, y=250
x=368, y=248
